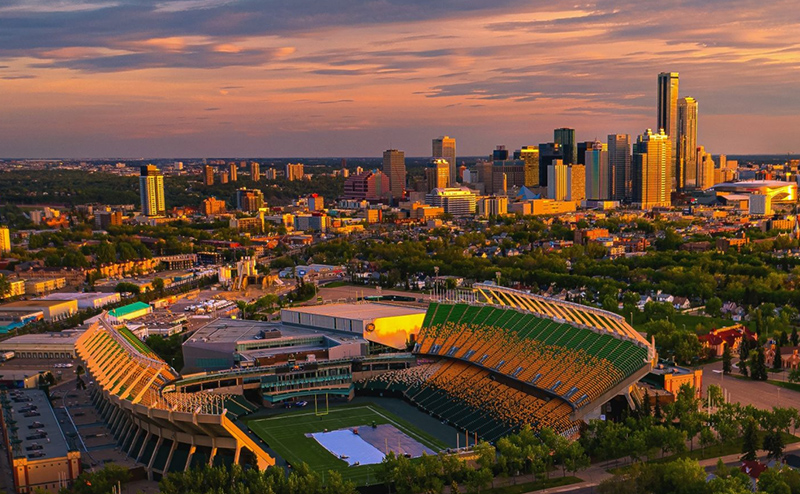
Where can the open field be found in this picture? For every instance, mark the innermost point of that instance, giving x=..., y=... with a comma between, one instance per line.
x=286, y=435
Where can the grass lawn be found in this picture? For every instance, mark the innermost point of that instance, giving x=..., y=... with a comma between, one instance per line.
x=534, y=486
x=335, y=284
x=286, y=434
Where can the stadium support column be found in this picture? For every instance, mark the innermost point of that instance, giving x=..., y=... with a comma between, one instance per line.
x=192, y=450
x=171, y=453
x=213, y=452
x=159, y=442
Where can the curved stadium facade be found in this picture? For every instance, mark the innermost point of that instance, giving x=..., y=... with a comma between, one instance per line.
x=488, y=361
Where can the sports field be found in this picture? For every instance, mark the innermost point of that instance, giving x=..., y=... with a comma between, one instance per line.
x=286, y=435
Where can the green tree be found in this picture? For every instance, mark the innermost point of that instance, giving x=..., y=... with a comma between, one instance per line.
x=750, y=441
x=714, y=307
x=771, y=482
x=726, y=360
x=773, y=444
x=158, y=285
x=794, y=337
x=776, y=360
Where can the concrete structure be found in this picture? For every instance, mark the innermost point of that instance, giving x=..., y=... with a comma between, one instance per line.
x=211, y=206
x=208, y=175
x=437, y=174
x=445, y=147
x=456, y=201
x=651, y=170
x=566, y=182
x=151, y=191
x=233, y=173
x=60, y=345
x=686, y=140
x=40, y=455
x=255, y=171
x=394, y=167
x=760, y=205
x=294, y=171
x=667, y=120
x=41, y=286
x=52, y=310
x=493, y=206
x=371, y=185
x=249, y=200
x=86, y=300
x=390, y=325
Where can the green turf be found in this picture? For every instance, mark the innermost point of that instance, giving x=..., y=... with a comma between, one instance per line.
x=286, y=435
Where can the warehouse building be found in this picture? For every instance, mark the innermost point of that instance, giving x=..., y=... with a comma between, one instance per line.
x=52, y=310
x=86, y=300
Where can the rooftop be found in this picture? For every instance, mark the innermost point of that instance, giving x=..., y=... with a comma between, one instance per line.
x=33, y=304
x=363, y=312
x=68, y=336
x=128, y=309
x=52, y=444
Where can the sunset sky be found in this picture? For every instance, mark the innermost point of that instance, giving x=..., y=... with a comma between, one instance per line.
x=195, y=78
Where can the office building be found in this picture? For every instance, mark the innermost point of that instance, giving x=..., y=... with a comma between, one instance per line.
x=687, y=143
x=233, y=173
x=255, y=171
x=652, y=160
x=394, y=167
x=566, y=182
x=371, y=185
x=565, y=138
x=492, y=206
x=548, y=153
x=445, y=147
x=530, y=157
x=619, y=161
x=250, y=200
x=705, y=169
x=500, y=153
x=151, y=191
x=598, y=174
x=5, y=240
x=458, y=201
x=437, y=174
x=294, y=171
x=208, y=175
x=668, y=118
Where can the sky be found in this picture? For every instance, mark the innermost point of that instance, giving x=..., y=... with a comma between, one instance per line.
x=253, y=78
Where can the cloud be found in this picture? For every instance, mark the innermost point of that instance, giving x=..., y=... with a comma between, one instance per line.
x=17, y=77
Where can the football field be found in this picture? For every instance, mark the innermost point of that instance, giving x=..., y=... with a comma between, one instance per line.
x=286, y=435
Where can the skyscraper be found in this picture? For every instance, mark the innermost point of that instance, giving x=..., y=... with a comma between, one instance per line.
x=566, y=138
x=705, y=168
x=652, y=158
x=208, y=175
x=445, y=147
x=437, y=174
x=255, y=171
x=548, y=152
x=530, y=156
x=5, y=239
x=394, y=166
x=233, y=172
x=619, y=162
x=151, y=191
x=598, y=174
x=687, y=142
x=566, y=182
x=668, y=117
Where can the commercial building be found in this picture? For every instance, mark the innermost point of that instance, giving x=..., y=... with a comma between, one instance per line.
x=317, y=222
x=445, y=147
x=294, y=171
x=249, y=200
x=151, y=191
x=86, y=300
x=566, y=182
x=255, y=172
x=667, y=119
x=129, y=312
x=394, y=167
x=687, y=142
x=651, y=170
x=598, y=173
x=565, y=138
x=52, y=310
x=59, y=345
x=5, y=240
x=458, y=201
x=548, y=152
x=371, y=185
x=39, y=453
x=530, y=157
x=619, y=161
x=437, y=174
x=493, y=206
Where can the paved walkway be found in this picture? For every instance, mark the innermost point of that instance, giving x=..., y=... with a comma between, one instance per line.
x=757, y=393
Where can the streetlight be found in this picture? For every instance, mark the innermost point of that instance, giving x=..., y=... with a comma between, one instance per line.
x=435, y=281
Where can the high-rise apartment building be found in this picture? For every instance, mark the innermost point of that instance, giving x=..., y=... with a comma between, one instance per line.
x=566, y=139
x=667, y=118
x=705, y=168
x=151, y=191
x=233, y=173
x=255, y=171
x=394, y=166
x=294, y=171
x=249, y=200
x=208, y=175
x=598, y=173
x=652, y=160
x=687, y=143
x=5, y=240
x=437, y=174
x=445, y=147
x=619, y=161
x=271, y=174
x=530, y=156
x=223, y=176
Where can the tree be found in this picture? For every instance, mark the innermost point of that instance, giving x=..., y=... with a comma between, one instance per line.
x=726, y=360
x=125, y=287
x=750, y=439
x=773, y=444
x=771, y=482
x=707, y=438
x=158, y=285
x=776, y=359
x=794, y=337
x=714, y=307
x=758, y=366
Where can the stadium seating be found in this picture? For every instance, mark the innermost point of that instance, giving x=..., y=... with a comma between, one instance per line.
x=578, y=364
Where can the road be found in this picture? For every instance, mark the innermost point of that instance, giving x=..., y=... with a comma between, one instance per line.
x=757, y=393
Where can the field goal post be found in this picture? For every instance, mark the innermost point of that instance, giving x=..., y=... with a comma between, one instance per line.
x=317, y=408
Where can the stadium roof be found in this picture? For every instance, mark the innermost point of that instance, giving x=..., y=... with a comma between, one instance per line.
x=363, y=312
x=129, y=309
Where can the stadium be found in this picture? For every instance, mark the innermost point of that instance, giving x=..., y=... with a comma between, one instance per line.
x=483, y=361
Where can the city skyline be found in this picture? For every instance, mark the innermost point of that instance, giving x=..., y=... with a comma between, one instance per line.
x=198, y=78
